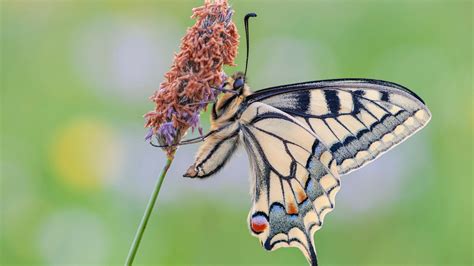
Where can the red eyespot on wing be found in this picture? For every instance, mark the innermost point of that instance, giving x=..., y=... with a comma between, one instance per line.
x=258, y=224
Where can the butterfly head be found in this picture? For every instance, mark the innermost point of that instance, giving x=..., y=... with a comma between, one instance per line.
x=238, y=84
x=235, y=90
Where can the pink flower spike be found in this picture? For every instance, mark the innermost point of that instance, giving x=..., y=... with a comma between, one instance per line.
x=196, y=74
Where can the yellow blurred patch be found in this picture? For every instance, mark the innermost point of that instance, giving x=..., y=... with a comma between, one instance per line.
x=86, y=154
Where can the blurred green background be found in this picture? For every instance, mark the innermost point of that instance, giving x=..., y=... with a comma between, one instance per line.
x=76, y=173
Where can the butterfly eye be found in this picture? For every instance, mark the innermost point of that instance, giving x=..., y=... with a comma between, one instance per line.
x=238, y=83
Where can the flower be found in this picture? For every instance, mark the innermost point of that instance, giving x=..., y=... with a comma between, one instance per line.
x=196, y=75
x=167, y=131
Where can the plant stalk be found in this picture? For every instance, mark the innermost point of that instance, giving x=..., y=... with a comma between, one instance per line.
x=146, y=216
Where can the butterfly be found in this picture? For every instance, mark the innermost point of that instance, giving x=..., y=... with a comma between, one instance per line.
x=300, y=138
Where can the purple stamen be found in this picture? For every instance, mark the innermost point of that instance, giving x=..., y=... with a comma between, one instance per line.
x=170, y=112
x=168, y=132
x=194, y=120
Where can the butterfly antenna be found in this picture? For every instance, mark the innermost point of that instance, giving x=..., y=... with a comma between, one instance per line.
x=246, y=23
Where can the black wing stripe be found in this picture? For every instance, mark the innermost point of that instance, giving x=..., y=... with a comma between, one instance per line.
x=332, y=100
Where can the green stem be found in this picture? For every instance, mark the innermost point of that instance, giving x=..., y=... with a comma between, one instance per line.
x=149, y=208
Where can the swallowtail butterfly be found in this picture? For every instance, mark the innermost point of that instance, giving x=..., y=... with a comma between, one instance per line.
x=300, y=139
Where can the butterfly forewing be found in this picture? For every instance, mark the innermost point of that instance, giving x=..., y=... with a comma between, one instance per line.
x=357, y=119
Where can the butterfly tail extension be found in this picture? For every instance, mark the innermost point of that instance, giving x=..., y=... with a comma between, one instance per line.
x=313, y=258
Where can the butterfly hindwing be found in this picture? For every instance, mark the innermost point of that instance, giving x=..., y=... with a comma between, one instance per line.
x=357, y=119
x=295, y=179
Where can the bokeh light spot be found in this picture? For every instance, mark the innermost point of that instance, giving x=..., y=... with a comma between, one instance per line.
x=86, y=154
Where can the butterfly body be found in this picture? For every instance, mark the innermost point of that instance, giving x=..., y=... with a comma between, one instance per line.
x=300, y=139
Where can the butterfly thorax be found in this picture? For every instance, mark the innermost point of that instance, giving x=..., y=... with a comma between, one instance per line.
x=227, y=107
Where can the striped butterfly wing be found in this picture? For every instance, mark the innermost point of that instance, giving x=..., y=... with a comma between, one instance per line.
x=295, y=179
x=357, y=119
